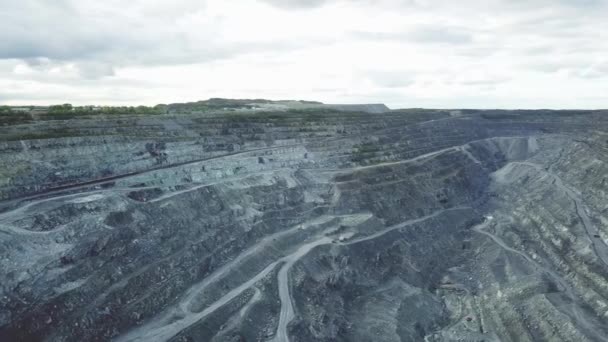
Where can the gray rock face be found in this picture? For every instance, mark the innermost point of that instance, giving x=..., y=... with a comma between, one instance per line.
x=313, y=225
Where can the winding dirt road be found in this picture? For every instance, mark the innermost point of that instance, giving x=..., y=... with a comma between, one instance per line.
x=287, y=311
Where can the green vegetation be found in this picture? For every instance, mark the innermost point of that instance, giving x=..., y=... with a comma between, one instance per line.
x=230, y=105
x=8, y=116
x=214, y=104
x=295, y=115
x=50, y=134
x=67, y=110
x=364, y=151
x=19, y=115
x=223, y=109
x=61, y=108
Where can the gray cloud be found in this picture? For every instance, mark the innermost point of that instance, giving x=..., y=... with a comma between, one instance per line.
x=90, y=45
x=296, y=4
x=486, y=81
x=99, y=38
x=33, y=29
x=594, y=70
x=423, y=34
x=449, y=35
x=309, y=4
x=92, y=70
x=585, y=67
x=391, y=79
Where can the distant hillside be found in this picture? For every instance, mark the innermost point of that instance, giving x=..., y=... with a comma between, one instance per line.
x=219, y=104
x=368, y=108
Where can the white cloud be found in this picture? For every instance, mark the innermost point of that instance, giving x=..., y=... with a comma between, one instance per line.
x=433, y=53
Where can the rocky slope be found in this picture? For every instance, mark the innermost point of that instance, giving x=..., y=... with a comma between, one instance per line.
x=305, y=225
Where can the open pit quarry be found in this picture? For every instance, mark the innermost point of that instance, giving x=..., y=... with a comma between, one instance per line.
x=323, y=223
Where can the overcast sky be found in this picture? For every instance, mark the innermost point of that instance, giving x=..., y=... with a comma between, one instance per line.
x=409, y=53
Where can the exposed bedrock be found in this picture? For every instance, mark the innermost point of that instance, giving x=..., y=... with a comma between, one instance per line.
x=307, y=227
